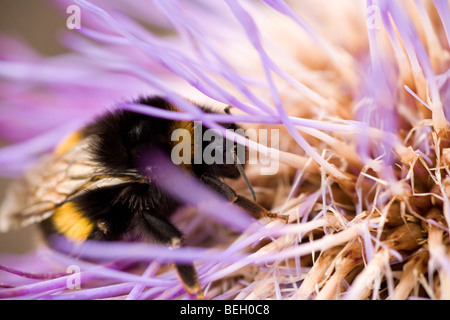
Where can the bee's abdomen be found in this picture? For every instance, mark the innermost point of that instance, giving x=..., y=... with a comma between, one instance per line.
x=109, y=213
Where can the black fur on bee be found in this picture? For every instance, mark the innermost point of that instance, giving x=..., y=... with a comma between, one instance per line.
x=133, y=208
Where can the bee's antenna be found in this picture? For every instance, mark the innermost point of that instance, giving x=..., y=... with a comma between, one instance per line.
x=239, y=165
x=244, y=176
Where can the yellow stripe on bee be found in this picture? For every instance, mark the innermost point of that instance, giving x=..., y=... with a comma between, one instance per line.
x=69, y=221
x=68, y=143
x=189, y=126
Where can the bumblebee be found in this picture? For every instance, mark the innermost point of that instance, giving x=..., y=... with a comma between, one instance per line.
x=91, y=187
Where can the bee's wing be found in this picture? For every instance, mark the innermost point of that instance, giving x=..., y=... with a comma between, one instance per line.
x=48, y=184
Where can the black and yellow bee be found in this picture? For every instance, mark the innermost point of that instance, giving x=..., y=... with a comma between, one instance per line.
x=91, y=187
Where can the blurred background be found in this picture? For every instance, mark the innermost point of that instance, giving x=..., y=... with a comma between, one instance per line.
x=37, y=23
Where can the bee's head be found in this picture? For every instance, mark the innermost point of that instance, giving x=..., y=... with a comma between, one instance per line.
x=219, y=156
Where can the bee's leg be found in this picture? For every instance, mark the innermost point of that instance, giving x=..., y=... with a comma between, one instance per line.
x=164, y=232
x=189, y=278
x=250, y=206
